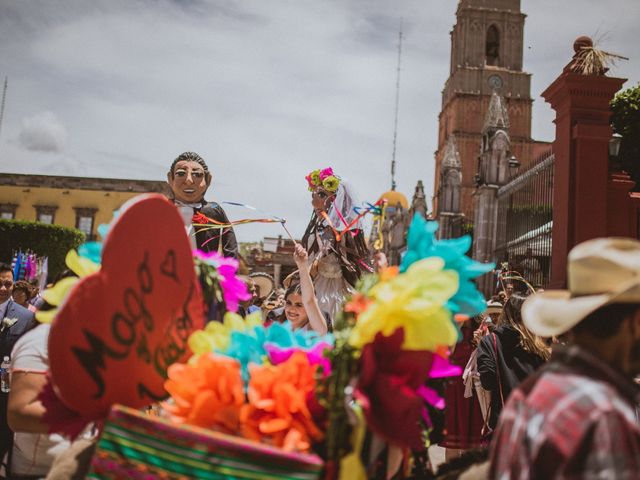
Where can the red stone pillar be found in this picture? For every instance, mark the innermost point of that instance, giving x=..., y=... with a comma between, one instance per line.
x=622, y=215
x=581, y=148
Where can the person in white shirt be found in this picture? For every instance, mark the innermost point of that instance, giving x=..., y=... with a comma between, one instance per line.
x=34, y=449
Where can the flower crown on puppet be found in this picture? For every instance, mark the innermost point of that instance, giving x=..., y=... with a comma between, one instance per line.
x=324, y=178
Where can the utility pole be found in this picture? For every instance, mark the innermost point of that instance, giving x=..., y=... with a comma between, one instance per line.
x=395, y=125
x=4, y=96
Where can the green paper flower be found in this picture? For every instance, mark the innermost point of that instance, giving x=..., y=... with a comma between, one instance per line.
x=331, y=183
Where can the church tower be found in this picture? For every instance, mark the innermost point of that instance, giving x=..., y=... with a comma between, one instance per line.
x=449, y=193
x=493, y=173
x=486, y=56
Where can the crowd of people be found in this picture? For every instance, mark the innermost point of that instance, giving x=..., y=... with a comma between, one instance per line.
x=554, y=375
x=548, y=387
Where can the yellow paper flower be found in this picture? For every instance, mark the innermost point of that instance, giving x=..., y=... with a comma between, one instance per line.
x=414, y=301
x=331, y=183
x=315, y=177
x=216, y=336
x=81, y=266
x=56, y=294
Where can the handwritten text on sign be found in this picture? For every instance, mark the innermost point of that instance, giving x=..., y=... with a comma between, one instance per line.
x=123, y=326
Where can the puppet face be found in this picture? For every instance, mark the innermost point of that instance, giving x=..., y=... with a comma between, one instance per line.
x=188, y=181
x=321, y=200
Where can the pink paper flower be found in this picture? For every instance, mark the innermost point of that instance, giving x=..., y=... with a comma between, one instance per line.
x=326, y=172
x=315, y=355
x=441, y=368
x=234, y=290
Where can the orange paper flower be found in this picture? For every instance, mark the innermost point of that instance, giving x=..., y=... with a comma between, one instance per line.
x=207, y=393
x=388, y=273
x=277, y=411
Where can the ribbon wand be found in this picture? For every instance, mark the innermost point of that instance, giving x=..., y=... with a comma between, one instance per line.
x=282, y=222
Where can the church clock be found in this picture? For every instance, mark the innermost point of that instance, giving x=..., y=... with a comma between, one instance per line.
x=495, y=81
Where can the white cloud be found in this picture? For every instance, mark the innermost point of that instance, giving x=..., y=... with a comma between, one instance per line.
x=43, y=132
x=265, y=91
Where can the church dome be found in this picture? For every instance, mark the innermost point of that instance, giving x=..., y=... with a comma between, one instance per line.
x=393, y=198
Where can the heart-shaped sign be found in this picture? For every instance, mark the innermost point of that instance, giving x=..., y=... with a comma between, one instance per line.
x=120, y=328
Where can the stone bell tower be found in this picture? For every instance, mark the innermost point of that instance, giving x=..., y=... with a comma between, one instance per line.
x=486, y=56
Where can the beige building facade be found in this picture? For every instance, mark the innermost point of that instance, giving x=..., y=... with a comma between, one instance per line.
x=75, y=202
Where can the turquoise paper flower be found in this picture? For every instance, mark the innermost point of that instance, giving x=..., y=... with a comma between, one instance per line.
x=251, y=346
x=423, y=244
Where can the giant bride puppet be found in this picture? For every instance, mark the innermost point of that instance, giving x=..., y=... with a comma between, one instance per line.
x=334, y=239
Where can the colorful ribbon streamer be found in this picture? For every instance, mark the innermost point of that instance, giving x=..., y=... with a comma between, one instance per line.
x=348, y=226
x=211, y=223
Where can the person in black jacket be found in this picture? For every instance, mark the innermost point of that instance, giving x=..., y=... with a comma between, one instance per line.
x=508, y=355
x=189, y=179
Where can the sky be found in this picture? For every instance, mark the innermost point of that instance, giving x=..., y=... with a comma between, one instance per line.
x=264, y=90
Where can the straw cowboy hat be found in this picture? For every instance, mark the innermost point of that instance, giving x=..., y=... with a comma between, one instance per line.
x=493, y=307
x=599, y=272
x=264, y=282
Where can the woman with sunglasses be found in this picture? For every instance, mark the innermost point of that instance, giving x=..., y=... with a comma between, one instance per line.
x=189, y=178
x=334, y=239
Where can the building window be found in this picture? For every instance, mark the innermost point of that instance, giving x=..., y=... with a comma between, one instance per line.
x=84, y=221
x=45, y=213
x=492, y=48
x=8, y=211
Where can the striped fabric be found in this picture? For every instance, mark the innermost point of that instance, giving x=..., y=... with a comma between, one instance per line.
x=139, y=447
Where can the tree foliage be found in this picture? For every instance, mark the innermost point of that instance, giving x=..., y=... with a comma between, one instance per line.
x=52, y=241
x=626, y=121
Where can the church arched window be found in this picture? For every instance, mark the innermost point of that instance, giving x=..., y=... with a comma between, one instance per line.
x=492, y=47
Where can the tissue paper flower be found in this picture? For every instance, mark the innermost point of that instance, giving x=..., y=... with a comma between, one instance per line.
x=391, y=388
x=315, y=354
x=234, y=290
x=248, y=340
x=277, y=411
x=208, y=393
x=216, y=336
x=80, y=265
x=415, y=301
x=326, y=172
x=421, y=244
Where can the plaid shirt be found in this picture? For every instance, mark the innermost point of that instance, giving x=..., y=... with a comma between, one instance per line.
x=575, y=419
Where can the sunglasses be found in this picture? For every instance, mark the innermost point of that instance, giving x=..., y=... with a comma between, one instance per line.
x=194, y=173
x=6, y=284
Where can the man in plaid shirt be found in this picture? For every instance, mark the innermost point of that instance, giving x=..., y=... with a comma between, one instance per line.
x=576, y=417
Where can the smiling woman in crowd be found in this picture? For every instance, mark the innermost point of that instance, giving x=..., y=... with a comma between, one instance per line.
x=301, y=305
